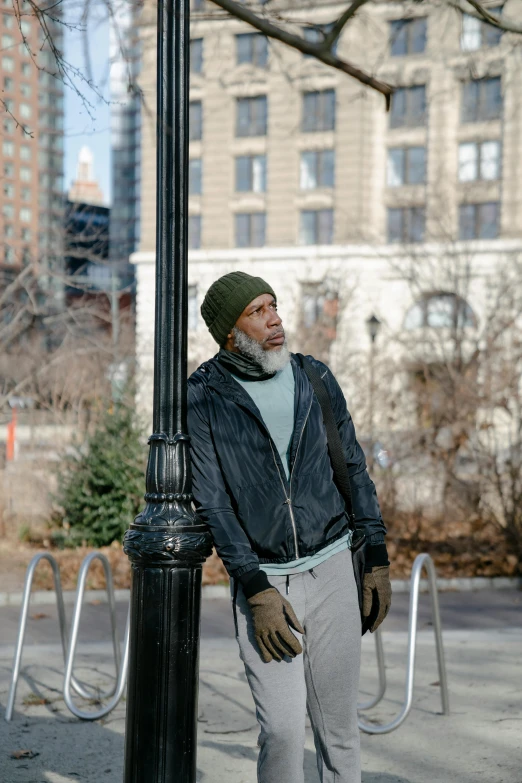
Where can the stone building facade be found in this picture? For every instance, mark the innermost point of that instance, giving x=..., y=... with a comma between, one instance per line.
x=300, y=175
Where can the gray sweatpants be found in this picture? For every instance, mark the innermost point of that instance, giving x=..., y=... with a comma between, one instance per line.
x=324, y=680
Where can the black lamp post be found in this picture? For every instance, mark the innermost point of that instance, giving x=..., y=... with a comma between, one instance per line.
x=373, y=325
x=166, y=543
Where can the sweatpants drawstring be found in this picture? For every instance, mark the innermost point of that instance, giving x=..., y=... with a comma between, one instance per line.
x=313, y=573
x=287, y=584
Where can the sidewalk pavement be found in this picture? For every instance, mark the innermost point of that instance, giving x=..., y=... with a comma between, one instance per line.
x=481, y=740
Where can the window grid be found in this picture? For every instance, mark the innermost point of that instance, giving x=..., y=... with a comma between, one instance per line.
x=195, y=176
x=195, y=120
x=252, y=48
x=250, y=229
x=317, y=226
x=481, y=100
x=318, y=111
x=406, y=166
x=479, y=161
x=408, y=36
x=408, y=107
x=251, y=174
x=479, y=221
x=406, y=224
x=251, y=116
x=317, y=169
x=196, y=55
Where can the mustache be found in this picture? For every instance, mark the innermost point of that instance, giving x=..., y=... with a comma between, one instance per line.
x=276, y=333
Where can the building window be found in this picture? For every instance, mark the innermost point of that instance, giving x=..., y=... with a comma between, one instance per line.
x=406, y=166
x=316, y=227
x=195, y=178
x=8, y=190
x=317, y=169
x=7, y=41
x=25, y=215
x=481, y=100
x=26, y=69
x=8, y=64
x=194, y=232
x=8, y=21
x=479, y=160
x=8, y=170
x=25, y=152
x=9, y=230
x=8, y=210
x=8, y=83
x=196, y=55
x=408, y=107
x=26, y=194
x=25, y=90
x=192, y=308
x=407, y=36
x=251, y=116
x=9, y=125
x=479, y=221
x=8, y=149
x=440, y=311
x=26, y=234
x=25, y=27
x=252, y=48
x=25, y=174
x=26, y=256
x=406, y=224
x=195, y=120
x=9, y=254
x=250, y=229
x=318, y=111
x=251, y=174
x=476, y=33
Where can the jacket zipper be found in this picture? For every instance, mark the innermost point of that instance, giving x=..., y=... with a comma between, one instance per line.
x=288, y=497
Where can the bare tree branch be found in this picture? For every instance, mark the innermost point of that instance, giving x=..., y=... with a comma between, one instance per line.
x=339, y=25
x=495, y=20
x=311, y=48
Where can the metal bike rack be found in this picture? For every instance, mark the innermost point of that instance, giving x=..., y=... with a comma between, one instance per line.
x=121, y=665
x=17, y=659
x=421, y=562
x=367, y=705
x=69, y=647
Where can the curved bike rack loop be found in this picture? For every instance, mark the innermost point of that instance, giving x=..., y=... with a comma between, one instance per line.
x=17, y=658
x=421, y=562
x=367, y=705
x=68, y=649
x=121, y=665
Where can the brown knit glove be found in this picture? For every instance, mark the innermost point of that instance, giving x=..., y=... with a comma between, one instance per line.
x=272, y=614
x=378, y=580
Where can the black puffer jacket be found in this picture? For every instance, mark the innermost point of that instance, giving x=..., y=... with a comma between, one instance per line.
x=255, y=514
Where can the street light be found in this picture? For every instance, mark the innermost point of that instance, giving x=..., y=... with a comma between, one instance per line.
x=373, y=325
x=167, y=543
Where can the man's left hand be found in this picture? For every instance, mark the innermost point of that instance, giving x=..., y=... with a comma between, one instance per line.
x=378, y=581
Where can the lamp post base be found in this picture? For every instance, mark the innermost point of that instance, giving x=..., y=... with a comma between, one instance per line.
x=160, y=740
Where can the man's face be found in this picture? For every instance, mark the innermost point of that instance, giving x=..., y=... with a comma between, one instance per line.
x=260, y=321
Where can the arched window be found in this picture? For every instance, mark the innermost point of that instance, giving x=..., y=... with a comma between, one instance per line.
x=440, y=310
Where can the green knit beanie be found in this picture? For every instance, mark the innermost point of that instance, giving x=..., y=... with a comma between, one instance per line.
x=227, y=298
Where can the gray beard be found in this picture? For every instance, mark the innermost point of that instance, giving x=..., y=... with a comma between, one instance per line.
x=270, y=361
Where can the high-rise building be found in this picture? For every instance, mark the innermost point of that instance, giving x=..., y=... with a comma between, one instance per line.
x=31, y=195
x=299, y=174
x=125, y=136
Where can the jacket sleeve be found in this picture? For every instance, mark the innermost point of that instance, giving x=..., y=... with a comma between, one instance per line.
x=211, y=498
x=365, y=504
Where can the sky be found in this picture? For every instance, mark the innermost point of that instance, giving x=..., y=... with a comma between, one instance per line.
x=81, y=128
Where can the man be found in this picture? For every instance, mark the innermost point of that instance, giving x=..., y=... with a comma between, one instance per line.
x=263, y=482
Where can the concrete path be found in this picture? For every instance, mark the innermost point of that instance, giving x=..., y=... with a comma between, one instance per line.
x=480, y=741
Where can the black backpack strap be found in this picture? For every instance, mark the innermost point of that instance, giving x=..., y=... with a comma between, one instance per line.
x=335, y=447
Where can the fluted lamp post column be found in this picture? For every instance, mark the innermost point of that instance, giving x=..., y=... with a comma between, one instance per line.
x=166, y=543
x=373, y=325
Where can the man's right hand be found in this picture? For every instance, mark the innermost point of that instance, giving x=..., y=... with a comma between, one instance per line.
x=272, y=615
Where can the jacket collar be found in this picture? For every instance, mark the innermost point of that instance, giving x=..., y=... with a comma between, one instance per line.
x=220, y=379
